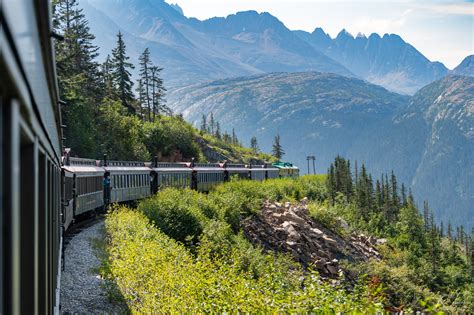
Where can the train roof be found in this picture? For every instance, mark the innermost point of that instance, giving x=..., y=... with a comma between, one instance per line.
x=209, y=169
x=237, y=169
x=285, y=165
x=172, y=169
x=79, y=169
x=127, y=169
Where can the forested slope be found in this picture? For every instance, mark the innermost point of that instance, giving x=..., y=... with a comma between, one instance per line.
x=107, y=112
x=254, y=247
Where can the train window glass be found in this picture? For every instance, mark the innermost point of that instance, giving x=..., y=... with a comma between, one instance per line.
x=28, y=184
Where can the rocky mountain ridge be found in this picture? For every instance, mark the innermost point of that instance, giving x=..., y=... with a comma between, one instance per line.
x=249, y=43
x=387, y=61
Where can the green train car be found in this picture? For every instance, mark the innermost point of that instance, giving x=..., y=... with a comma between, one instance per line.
x=287, y=170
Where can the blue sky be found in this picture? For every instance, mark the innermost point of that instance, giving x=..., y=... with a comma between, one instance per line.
x=441, y=30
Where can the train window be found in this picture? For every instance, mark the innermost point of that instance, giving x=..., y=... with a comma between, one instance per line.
x=28, y=166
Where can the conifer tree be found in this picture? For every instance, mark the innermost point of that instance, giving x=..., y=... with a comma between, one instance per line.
x=212, y=124
x=121, y=75
x=254, y=144
x=79, y=77
x=141, y=99
x=158, y=93
x=203, y=124
x=331, y=184
x=107, y=77
x=145, y=69
x=277, y=149
x=378, y=195
x=235, y=140
x=218, y=131
x=404, y=196
x=426, y=212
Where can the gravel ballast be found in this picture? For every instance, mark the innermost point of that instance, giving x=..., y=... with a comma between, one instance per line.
x=82, y=289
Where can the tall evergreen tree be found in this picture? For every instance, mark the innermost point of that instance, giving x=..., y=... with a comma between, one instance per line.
x=107, y=77
x=235, y=140
x=121, y=75
x=254, y=144
x=212, y=124
x=277, y=149
x=218, y=131
x=141, y=99
x=158, y=93
x=79, y=77
x=203, y=124
x=145, y=69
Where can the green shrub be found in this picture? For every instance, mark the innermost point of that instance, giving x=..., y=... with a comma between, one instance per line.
x=156, y=274
x=176, y=212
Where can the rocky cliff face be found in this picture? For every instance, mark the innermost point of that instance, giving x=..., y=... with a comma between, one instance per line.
x=289, y=228
x=388, y=61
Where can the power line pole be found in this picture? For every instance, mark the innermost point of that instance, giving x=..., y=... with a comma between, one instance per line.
x=308, y=158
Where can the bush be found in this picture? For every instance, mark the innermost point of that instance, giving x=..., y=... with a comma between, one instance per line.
x=156, y=274
x=176, y=212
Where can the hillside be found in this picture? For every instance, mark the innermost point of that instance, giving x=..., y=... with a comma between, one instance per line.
x=426, y=139
x=388, y=61
x=250, y=43
x=431, y=145
x=466, y=67
x=314, y=112
x=255, y=247
x=191, y=50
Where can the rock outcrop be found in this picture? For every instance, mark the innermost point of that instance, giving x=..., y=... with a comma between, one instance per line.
x=289, y=228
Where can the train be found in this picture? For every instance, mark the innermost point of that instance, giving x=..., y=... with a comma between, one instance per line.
x=42, y=189
x=91, y=185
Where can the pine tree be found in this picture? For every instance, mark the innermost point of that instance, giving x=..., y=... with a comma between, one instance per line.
x=254, y=145
x=450, y=231
x=145, y=69
x=235, y=140
x=141, y=98
x=218, y=131
x=404, y=196
x=212, y=124
x=79, y=77
x=395, y=198
x=277, y=149
x=158, y=93
x=378, y=195
x=426, y=211
x=203, y=124
x=331, y=184
x=121, y=74
x=107, y=77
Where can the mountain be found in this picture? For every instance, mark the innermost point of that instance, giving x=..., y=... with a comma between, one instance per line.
x=428, y=139
x=432, y=142
x=466, y=67
x=388, y=61
x=249, y=43
x=315, y=113
x=192, y=51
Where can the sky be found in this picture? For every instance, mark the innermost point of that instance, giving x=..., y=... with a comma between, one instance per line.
x=441, y=30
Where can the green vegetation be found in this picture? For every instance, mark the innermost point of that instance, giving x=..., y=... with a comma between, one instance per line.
x=420, y=261
x=181, y=245
x=104, y=116
x=155, y=273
